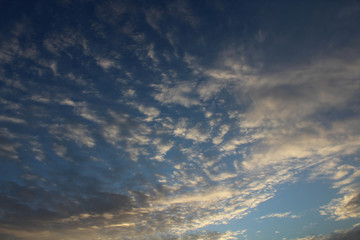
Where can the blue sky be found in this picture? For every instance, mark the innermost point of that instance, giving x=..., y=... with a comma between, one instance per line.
x=141, y=120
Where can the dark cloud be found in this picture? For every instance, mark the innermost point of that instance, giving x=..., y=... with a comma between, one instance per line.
x=350, y=234
x=37, y=207
x=5, y=236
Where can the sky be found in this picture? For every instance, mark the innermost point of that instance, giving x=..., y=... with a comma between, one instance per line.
x=179, y=120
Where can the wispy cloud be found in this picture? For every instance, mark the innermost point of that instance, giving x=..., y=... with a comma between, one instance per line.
x=11, y=119
x=182, y=10
x=280, y=215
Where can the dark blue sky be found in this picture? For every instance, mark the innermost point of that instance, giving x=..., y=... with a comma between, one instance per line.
x=179, y=120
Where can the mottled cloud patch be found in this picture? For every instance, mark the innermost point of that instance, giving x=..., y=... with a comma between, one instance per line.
x=77, y=133
x=195, y=133
x=181, y=93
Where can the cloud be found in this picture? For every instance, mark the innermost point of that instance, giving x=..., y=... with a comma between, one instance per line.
x=122, y=128
x=162, y=148
x=105, y=63
x=40, y=99
x=349, y=234
x=222, y=172
x=151, y=54
x=280, y=215
x=195, y=133
x=344, y=178
x=9, y=149
x=228, y=235
x=285, y=108
x=182, y=10
x=58, y=42
x=150, y=112
x=343, y=208
x=153, y=17
x=222, y=131
x=181, y=93
x=200, y=198
x=36, y=147
x=75, y=132
x=11, y=119
x=221, y=137
x=12, y=48
x=82, y=109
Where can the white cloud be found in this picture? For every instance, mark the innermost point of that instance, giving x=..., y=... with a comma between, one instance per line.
x=9, y=150
x=133, y=134
x=192, y=133
x=80, y=134
x=36, y=147
x=196, y=134
x=77, y=132
x=280, y=215
x=105, y=63
x=129, y=93
x=82, y=109
x=283, y=108
x=199, y=198
x=39, y=98
x=60, y=150
x=182, y=93
x=222, y=131
x=12, y=119
x=150, y=112
x=209, y=89
x=151, y=53
x=343, y=208
x=162, y=148
x=121, y=225
x=221, y=176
